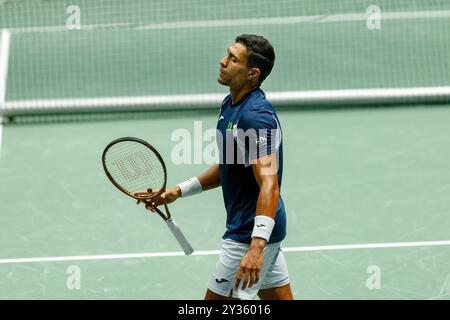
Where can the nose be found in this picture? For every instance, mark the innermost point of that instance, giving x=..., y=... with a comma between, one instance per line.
x=223, y=62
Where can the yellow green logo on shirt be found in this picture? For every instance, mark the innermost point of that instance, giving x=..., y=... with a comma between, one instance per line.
x=230, y=125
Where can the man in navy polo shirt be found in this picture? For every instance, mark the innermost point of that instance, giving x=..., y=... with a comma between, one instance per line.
x=250, y=171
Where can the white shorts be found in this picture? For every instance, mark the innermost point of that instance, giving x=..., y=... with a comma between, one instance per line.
x=274, y=272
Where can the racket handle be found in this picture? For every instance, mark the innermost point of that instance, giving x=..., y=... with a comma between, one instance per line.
x=179, y=236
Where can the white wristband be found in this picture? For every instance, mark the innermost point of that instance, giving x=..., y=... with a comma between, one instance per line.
x=263, y=227
x=190, y=187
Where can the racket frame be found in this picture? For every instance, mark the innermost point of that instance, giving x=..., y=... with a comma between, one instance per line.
x=146, y=144
x=166, y=217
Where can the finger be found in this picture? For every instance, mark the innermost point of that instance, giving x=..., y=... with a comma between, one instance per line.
x=257, y=276
x=165, y=193
x=138, y=201
x=238, y=279
x=252, y=278
x=246, y=278
x=150, y=207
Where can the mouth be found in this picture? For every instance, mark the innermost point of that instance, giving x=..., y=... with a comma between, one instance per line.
x=221, y=72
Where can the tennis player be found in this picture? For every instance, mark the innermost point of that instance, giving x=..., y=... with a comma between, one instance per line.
x=249, y=138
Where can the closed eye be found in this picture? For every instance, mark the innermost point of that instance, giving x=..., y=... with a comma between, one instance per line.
x=232, y=56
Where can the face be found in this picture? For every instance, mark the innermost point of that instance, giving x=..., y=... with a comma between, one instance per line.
x=233, y=67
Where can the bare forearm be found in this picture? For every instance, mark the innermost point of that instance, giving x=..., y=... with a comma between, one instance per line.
x=210, y=179
x=267, y=200
x=266, y=205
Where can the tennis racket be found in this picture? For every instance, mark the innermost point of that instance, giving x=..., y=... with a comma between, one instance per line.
x=136, y=169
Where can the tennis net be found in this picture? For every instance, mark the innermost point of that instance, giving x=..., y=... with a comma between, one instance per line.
x=101, y=55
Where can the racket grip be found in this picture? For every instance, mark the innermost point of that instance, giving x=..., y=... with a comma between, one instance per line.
x=179, y=236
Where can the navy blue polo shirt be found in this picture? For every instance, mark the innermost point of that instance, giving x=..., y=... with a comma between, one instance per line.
x=247, y=131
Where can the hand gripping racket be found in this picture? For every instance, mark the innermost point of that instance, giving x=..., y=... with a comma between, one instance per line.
x=136, y=169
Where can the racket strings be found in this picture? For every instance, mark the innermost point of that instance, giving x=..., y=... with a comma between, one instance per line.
x=134, y=166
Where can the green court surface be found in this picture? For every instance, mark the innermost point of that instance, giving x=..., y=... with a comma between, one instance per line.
x=377, y=176
x=366, y=189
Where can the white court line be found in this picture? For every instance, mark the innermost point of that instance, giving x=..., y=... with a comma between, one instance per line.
x=405, y=15
x=369, y=246
x=216, y=252
x=87, y=27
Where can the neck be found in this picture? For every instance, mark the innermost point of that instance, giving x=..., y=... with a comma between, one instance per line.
x=238, y=94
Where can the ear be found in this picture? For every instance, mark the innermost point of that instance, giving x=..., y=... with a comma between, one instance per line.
x=254, y=73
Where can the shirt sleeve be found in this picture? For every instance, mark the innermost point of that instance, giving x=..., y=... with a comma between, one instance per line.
x=258, y=134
